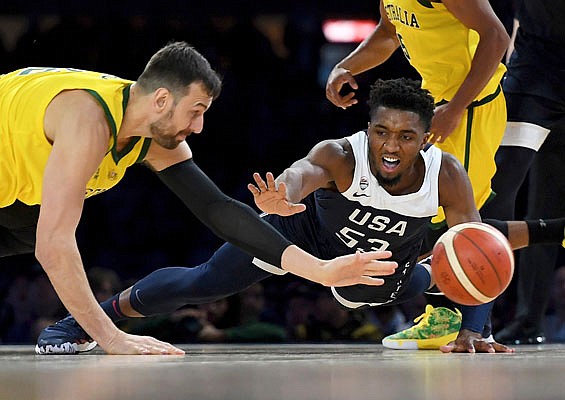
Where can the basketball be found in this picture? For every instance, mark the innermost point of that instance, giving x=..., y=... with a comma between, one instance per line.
x=472, y=263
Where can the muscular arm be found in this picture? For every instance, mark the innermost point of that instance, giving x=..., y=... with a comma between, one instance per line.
x=456, y=197
x=328, y=165
x=77, y=127
x=72, y=162
x=456, y=193
x=479, y=16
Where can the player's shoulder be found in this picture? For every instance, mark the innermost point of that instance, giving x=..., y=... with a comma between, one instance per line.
x=336, y=147
x=448, y=160
x=451, y=169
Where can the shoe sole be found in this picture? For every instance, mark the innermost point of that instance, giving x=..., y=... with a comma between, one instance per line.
x=65, y=348
x=419, y=344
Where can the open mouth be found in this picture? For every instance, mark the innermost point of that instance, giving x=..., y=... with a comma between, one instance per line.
x=390, y=163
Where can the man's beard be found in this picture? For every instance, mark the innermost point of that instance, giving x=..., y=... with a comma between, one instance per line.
x=158, y=135
x=388, y=182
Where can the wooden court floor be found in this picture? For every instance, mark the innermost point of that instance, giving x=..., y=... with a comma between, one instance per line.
x=289, y=372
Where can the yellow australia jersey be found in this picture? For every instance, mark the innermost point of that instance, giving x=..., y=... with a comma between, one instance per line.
x=437, y=45
x=24, y=148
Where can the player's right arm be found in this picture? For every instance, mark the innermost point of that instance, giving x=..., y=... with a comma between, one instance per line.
x=373, y=51
x=329, y=165
x=76, y=126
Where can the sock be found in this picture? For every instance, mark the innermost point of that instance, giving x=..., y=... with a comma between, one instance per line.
x=546, y=231
x=112, y=308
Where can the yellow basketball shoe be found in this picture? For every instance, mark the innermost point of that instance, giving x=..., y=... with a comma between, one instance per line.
x=435, y=327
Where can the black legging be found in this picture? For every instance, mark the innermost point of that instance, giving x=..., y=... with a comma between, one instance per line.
x=18, y=224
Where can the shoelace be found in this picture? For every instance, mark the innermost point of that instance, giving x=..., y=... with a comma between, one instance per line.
x=424, y=318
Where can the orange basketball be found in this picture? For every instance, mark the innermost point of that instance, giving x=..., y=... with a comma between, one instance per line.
x=472, y=263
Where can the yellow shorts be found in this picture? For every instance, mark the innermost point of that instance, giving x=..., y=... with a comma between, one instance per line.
x=475, y=141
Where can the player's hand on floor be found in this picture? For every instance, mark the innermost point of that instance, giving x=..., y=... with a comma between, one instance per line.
x=271, y=198
x=124, y=343
x=358, y=268
x=471, y=342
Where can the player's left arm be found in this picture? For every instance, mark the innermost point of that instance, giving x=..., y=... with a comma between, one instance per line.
x=456, y=193
x=456, y=197
x=493, y=43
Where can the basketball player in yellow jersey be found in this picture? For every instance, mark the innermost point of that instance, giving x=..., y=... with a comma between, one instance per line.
x=68, y=134
x=456, y=46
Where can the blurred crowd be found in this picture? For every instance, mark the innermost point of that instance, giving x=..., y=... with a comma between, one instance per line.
x=271, y=111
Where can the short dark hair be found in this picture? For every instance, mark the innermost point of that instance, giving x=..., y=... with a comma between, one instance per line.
x=175, y=67
x=403, y=94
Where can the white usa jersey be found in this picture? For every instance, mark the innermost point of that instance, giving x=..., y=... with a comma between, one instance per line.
x=366, y=217
x=366, y=191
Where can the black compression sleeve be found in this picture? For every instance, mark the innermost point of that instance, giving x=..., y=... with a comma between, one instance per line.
x=230, y=219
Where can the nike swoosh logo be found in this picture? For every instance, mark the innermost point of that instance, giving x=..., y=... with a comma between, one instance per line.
x=360, y=195
x=137, y=296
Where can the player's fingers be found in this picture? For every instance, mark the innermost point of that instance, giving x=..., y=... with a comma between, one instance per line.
x=371, y=281
x=160, y=347
x=297, y=208
x=282, y=189
x=500, y=348
x=483, y=346
x=432, y=138
x=448, y=348
x=374, y=255
x=345, y=101
x=455, y=347
x=333, y=87
x=253, y=189
x=260, y=182
x=380, y=268
x=270, y=181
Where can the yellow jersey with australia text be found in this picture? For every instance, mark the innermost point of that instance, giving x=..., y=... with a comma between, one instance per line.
x=24, y=148
x=437, y=45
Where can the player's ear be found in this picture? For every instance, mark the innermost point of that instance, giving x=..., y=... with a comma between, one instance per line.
x=425, y=140
x=161, y=98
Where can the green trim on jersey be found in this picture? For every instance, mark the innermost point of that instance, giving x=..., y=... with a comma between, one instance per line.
x=144, y=150
x=116, y=155
x=428, y=3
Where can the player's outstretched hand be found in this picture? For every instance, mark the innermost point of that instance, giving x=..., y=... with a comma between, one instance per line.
x=339, y=77
x=471, y=342
x=358, y=268
x=271, y=198
x=124, y=343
